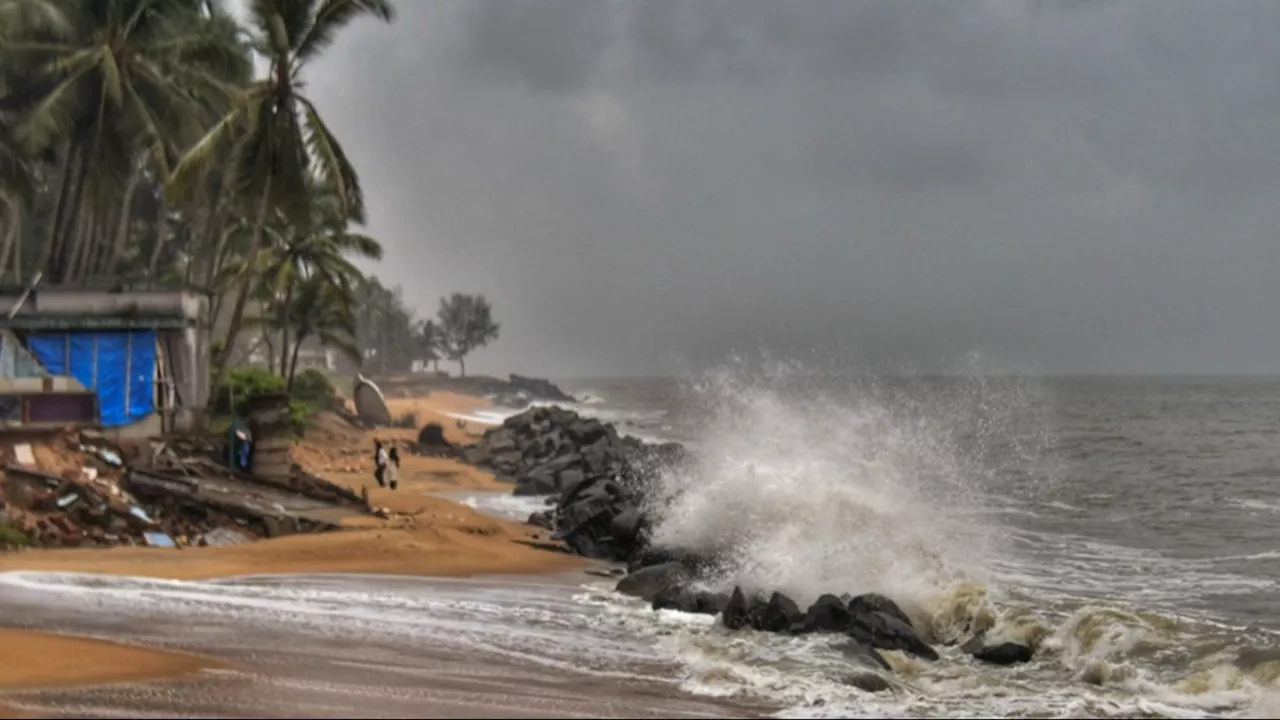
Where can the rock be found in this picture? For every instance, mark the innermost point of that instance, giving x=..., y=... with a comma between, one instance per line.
x=686, y=600
x=648, y=582
x=826, y=614
x=432, y=436
x=883, y=631
x=676, y=598
x=737, y=612
x=778, y=615
x=625, y=526
x=541, y=519
x=866, y=681
x=712, y=603
x=587, y=432
x=568, y=479
x=536, y=483
x=538, y=387
x=875, y=602
x=863, y=654
x=651, y=556
x=1004, y=654
x=500, y=440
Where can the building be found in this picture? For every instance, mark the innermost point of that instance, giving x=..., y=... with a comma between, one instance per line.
x=313, y=354
x=133, y=362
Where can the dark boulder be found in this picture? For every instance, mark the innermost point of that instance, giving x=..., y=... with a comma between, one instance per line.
x=587, y=432
x=866, y=681
x=676, y=597
x=648, y=582
x=431, y=439
x=542, y=519
x=687, y=600
x=862, y=654
x=875, y=602
x=886, y=632
x=537, y=482
x=1007, y=653
x=651, y=555
x=778, y=615
x=625, y=526
x=737, y=612
x=568, y=478
x=712, y=603
x=826, y=614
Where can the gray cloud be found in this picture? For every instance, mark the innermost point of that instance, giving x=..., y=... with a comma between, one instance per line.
x=1067, y=186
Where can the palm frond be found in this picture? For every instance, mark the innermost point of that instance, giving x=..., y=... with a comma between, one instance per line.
x=53, y=117
x=199, y=160
x=336, y=170
x=334, y=15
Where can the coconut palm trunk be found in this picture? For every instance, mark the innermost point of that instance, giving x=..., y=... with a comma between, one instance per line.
x=242, y=296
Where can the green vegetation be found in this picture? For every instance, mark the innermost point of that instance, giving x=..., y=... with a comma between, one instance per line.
x=11, y=537
x=165, y=144
x=312, y=392
x=138, y=148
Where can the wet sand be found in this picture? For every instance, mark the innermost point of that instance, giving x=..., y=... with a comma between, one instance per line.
x=44, y=660
x=41, y=660
x=319, y=660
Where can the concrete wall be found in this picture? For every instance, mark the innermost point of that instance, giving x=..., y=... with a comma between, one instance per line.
x=59, y=301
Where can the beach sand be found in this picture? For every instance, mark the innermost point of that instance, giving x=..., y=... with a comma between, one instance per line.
x=423, y=535
x=30, y=660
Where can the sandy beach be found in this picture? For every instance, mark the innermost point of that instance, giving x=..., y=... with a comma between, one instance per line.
x=424, y=535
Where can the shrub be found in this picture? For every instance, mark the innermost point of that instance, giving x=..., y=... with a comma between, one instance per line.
x=299, y=415
x=314, y=388
x=11, y=537
x=245, y=382
x=407, y=420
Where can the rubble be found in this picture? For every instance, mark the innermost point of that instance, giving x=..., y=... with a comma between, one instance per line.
x=169, y=493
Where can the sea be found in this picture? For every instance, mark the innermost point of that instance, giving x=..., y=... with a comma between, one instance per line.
x=1124, y=527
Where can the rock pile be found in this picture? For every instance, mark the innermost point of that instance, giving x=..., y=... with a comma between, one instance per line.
x=596, y=478
x=872, y=622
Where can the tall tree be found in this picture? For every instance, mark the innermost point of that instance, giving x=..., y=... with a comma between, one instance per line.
x=276, y=135
x=466, y=323
x=95, y=82
x=429, y=339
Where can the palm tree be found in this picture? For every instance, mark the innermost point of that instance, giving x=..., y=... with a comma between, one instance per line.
x=430, y=340
x=321, y=247
x=98, y=82
x=277, y=136
x=16, y=193
x=325, y=311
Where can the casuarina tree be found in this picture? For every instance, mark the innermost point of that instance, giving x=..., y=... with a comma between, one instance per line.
x=466, y=323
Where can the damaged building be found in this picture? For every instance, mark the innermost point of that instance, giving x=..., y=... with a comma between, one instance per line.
x=135, y=363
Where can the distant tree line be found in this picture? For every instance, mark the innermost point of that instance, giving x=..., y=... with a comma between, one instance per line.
x=391, y=340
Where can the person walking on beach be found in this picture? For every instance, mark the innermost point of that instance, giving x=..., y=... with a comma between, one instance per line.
x=393, y=467
x=379, y=463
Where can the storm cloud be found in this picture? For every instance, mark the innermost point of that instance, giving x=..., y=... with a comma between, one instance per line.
x=1085, y=186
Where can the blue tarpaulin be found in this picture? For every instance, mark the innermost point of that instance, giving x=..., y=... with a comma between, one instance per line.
x=119, y=366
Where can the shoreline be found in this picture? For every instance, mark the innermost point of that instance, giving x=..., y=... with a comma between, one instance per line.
x=422, y=535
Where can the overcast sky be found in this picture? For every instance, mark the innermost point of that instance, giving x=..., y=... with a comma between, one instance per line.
x=1071, y=186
